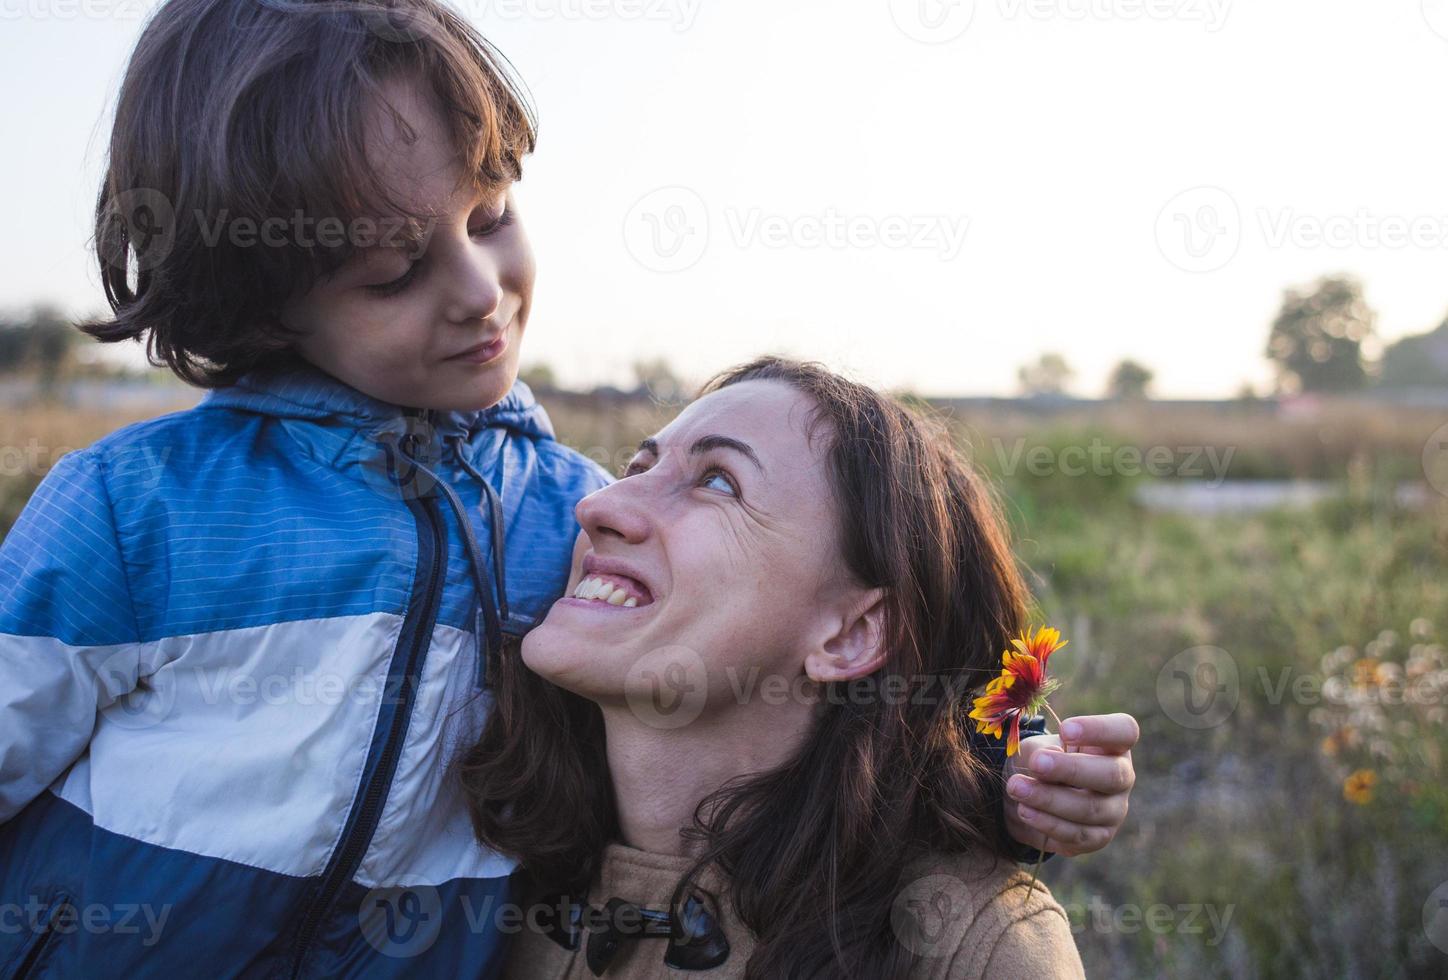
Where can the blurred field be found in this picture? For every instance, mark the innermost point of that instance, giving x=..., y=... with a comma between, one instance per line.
x=1252, y=849
x=34, y=435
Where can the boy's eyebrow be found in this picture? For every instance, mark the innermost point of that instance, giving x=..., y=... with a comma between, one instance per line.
x=705, y=443
x=488, y=195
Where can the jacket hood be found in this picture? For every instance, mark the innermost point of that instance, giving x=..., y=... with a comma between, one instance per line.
x=297, y=389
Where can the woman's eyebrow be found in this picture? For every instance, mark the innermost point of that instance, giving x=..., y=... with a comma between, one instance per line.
x=705, y=443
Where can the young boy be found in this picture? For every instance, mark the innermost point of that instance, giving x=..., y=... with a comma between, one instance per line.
x=240, y=644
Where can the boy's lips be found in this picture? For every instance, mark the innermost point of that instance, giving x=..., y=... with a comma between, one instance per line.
x=488, y=350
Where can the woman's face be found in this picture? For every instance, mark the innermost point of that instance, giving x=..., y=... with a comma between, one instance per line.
x=722, y=540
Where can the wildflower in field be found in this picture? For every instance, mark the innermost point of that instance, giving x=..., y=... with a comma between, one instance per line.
x=1358, y=787
x=1388, y=672
x=1021, y=688
x=1365, y=672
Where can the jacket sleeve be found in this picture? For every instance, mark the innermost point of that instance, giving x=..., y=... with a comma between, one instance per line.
x=993, y=751
x=68, y=638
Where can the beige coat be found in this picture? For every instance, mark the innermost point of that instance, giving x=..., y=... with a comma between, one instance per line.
x=962, y=918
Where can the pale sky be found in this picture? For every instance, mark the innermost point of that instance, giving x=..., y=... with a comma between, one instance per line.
x=928, y=193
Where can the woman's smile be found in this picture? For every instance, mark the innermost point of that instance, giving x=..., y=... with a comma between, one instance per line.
x=608, y=585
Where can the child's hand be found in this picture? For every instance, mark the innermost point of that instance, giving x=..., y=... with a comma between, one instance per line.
x=1077, y=800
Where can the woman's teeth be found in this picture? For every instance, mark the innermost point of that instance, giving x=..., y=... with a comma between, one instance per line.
x=597, y=590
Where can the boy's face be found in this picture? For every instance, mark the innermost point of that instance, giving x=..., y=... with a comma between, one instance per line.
x=410, y=332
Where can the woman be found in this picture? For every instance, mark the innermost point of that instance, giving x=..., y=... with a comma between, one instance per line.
x=746, y=749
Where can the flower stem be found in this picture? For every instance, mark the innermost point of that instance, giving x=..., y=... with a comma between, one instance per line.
x=1041, y=851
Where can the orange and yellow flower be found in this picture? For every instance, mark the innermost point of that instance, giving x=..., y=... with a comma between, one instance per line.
x=1365, y=672
x=1021, y=688
x=1358, y=787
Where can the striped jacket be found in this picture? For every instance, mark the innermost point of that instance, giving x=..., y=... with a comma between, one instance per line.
x=239, y=645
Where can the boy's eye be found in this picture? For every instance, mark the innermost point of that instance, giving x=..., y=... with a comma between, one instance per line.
x=395, y=286
x=504, y=218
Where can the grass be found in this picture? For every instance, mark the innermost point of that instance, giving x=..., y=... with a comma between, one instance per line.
x=1250, y=814
x=1243, y=856
x=34, y=436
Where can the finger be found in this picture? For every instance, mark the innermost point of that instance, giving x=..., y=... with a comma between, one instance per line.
x=1114, y=733
x=1030, y=746
x=1077, y=806
x=1023, y=833
x=1064, y=836
x=1098, y=773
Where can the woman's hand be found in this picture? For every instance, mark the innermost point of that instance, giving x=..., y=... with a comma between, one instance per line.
x=1072, y=802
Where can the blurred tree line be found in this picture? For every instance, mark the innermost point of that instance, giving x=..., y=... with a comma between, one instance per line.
x=1323, y=339
x=40, y=342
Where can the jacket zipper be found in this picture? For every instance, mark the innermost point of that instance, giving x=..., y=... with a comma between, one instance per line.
x=416, y=635
x=42, y=942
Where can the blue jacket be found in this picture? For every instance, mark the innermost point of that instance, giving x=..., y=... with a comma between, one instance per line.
x=238, y=648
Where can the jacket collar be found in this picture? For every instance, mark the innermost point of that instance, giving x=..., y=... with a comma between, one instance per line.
x=297, y=389
x=352, y=430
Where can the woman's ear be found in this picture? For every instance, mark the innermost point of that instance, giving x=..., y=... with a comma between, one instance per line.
x=855, y=645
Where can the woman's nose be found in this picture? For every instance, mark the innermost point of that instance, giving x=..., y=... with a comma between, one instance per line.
x=617, y=511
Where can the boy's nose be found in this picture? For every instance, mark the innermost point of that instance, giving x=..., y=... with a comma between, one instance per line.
x=477, y=291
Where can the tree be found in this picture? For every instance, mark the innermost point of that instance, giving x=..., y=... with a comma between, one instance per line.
x=1417, y=361
x=658, y=379
x=40, y=341
x=14, y=345
x=1129, y=380
x=1316, y=341
x=1048, y=375
x=539, y=377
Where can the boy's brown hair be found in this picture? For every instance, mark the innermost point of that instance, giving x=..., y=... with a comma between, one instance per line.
x=238, y=175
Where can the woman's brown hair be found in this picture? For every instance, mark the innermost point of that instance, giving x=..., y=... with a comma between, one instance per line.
x=238, y=175
x=814, y=850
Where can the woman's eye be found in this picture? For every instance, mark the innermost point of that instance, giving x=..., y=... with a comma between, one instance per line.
x=634, y=468
x=719, y=480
